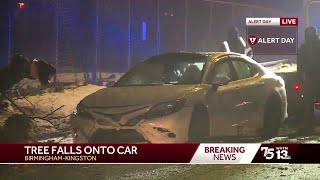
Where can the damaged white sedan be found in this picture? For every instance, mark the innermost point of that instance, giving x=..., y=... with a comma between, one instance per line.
x=183, y=97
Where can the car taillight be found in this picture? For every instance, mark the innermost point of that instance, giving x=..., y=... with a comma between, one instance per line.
x=317, y=104
x=296, y=87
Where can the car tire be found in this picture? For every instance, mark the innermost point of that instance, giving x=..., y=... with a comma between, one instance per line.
x=199, y=125
x=272, y=117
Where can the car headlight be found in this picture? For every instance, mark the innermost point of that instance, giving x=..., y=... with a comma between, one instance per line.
x=164, y=109
x=82, y=111
x=81, y=120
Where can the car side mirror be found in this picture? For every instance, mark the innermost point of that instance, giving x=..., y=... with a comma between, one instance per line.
x=221, y=81
x=110, y=84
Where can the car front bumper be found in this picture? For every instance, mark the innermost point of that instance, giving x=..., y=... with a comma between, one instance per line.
x=172, y=128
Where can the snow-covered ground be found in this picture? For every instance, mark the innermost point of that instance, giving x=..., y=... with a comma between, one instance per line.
x=44, y=103
x=41, y=101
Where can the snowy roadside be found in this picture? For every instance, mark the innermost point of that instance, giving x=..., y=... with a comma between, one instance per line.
x=37, y=101
x=44, y=103
x=296, y=171
x=68, y=99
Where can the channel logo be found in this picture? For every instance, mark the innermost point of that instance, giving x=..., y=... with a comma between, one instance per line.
x=252, y=40
x=279, y=153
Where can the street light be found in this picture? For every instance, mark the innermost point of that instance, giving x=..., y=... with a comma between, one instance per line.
x=21, y=5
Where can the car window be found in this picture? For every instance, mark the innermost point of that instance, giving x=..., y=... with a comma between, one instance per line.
x=219, y=70
x=253, y=70
x=164, y=71
x=244, y=70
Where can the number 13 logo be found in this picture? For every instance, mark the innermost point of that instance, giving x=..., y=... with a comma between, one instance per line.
x=282, y=154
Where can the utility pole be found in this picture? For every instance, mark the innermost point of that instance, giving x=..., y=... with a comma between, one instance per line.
x=186, y=26
x=129, y=35
x=94, y=73
x=210, y=26
x=9, y=32
x=158, y=27
x=306, y=8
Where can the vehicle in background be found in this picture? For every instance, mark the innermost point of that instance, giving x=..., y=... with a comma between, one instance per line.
x=294, y=88
x=184, y=97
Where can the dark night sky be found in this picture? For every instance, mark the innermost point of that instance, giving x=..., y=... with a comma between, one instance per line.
x=3, y=33
x=290, y=6
x=285, y=5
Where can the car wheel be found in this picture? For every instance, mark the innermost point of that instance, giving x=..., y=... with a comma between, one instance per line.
x=272, y=117
x=199, y=125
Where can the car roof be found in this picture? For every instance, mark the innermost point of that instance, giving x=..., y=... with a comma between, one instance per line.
x=215, y=56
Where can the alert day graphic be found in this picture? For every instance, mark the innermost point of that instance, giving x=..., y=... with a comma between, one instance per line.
x=272, y=39
x=254, y=40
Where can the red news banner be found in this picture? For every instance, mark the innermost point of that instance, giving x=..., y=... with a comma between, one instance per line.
x=158, y=153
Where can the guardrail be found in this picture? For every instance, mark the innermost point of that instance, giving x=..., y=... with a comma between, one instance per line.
x=272, y=63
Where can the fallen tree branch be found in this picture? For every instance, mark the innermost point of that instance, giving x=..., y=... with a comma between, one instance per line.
x=45, y=120
x=44, y=117
x=63, y=138
x=15, y=105
x=33, y=105
x=59, y=117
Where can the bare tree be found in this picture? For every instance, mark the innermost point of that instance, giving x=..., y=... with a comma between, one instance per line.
x=51, y=117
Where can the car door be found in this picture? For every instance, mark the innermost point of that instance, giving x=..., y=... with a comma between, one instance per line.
x=249, y=87
x=221, y=101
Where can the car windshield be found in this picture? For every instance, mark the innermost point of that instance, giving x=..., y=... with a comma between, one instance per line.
x=162, y=72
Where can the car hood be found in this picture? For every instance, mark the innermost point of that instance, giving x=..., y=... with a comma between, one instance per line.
x=136, y=95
